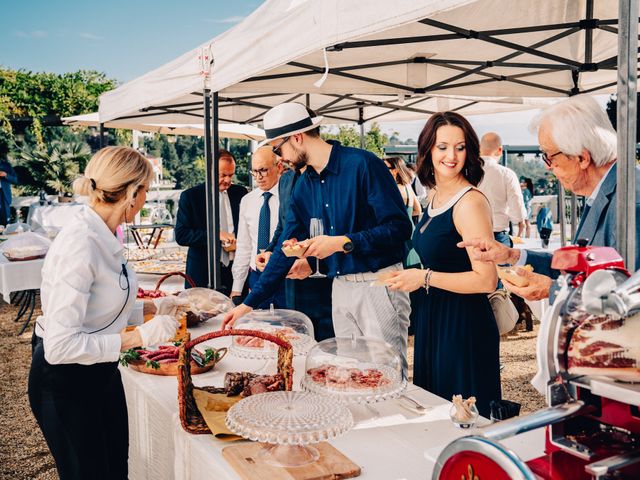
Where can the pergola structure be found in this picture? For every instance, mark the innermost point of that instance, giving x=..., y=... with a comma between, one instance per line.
x=356, y=62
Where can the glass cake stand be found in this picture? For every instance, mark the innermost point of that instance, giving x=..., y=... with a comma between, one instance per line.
x=288, y=423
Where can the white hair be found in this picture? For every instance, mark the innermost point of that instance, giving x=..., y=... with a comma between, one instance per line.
x=578, y=124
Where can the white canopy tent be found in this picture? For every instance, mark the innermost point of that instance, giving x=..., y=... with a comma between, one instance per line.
x=385, y=59
x=227, y=130
x=356, y=61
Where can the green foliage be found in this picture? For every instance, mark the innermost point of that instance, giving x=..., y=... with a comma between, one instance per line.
x=24, y=94
x=52, y=168
x=190, y=173
x=349, y=136
x=544, y=182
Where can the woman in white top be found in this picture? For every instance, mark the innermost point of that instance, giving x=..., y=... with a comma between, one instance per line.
x=87, y=293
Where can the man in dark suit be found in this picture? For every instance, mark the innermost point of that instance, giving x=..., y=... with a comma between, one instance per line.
x=7, y=177
x=191, y=224
x=579, y=146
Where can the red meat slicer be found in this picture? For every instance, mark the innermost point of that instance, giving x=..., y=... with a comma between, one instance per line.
x=588, y=362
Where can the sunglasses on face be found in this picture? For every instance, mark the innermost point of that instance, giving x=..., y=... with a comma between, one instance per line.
x=548, y=159
x=277, y=149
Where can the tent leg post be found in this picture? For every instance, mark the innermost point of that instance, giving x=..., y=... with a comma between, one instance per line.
x=626, y=112
x=208, y=155
x=215, y=116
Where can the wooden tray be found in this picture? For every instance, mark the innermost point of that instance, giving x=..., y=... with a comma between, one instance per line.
x=171, y=369
x=247, y=463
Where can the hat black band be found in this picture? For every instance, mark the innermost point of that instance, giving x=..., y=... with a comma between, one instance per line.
x=292, y=127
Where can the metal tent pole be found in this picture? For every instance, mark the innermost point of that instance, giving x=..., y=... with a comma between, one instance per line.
x=215, y=196
x=208, y=155
x=574, y=216
x=627, y=91
x=361, y=123
x=561, y=216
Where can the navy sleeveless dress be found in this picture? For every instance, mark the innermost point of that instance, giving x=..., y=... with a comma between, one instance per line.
x=456, y=337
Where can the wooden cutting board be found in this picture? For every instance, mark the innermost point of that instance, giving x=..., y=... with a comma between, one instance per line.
x=332, y=465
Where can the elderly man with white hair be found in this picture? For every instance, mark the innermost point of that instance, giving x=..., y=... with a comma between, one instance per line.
x=579, y=146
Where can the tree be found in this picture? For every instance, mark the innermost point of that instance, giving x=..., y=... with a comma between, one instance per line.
x=348, y=136
x=33, y=100
x=52, y=169
x=190, y=173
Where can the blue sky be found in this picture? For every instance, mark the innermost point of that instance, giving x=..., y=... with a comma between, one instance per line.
x=126, y=39
x=122, y=38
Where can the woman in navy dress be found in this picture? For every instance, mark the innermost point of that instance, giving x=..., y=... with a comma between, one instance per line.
x=456, y=337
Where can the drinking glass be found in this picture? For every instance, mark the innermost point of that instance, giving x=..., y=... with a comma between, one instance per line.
x=316, y=228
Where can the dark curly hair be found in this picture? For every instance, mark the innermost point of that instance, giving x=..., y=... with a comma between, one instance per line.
x=473, y=164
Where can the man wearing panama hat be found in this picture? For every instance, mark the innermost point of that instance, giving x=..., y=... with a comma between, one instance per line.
x=352, y=195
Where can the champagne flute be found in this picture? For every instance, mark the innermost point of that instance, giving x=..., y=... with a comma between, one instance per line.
x=316, y=228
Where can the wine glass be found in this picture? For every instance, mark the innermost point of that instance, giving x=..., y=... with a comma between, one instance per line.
x=316, y=228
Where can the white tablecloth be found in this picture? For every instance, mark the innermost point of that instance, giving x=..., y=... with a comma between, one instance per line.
x=16, y=276
x=57, y=215
x=398, y=445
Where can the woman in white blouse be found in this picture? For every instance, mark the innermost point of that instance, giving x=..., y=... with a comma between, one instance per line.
x=87, y=293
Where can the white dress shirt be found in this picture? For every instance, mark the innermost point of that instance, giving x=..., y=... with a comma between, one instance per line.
x=225, y=204
x=502, y=188
x=83, y=290
x=247, y=238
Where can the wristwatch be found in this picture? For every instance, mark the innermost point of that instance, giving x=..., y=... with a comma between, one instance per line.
x=347, y=247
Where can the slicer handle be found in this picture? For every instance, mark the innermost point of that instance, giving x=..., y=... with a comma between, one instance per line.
x=541, y=418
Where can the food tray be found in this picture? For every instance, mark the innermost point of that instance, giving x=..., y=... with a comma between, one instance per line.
x=23, y=259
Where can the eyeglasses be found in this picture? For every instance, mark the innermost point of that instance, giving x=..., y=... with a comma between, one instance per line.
x=547, y=159
x=277, y=150
x=260, y=172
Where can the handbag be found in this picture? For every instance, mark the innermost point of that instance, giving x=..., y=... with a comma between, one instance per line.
x=503, y=310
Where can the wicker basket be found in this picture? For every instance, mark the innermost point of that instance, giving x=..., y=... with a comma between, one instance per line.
x=190, y=416
x=169, y=275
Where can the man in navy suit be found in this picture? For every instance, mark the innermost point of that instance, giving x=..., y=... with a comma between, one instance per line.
x=7, y=177
x=191, y=224
x=579, y=146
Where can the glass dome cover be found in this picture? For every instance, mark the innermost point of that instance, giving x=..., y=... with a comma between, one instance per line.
x=296, y=327
x=205, y=303
x=354, y=370
x=15, y=228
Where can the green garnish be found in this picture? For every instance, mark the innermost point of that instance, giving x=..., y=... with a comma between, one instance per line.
x=153, y=364
x=210, y=354
x=129, y=356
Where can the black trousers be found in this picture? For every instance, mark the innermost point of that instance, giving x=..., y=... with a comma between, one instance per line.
x=82, y=413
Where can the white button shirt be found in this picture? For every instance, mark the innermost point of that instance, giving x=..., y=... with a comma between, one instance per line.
x=83, y=290
x=502, y=188
x=247, y=239
x=226, y=204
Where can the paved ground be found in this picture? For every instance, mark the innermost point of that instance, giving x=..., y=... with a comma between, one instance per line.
x=23, y=451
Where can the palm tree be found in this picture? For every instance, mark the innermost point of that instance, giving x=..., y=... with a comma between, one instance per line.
x=54, y=168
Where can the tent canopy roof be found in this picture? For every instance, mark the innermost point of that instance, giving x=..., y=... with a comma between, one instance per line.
x=227, y=130
x=383, y=58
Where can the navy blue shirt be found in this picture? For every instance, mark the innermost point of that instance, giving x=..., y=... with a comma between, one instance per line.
x=355, y=195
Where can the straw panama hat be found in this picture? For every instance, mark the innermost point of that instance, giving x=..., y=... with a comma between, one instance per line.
x=287, y=119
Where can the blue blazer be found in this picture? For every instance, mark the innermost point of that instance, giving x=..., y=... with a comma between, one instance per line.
x=6, y=182
x=599, y=226
x=191, y=227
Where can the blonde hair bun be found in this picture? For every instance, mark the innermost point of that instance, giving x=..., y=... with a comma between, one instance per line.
x=118, y=173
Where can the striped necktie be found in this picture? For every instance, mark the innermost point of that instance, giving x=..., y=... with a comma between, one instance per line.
x=264, y=223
